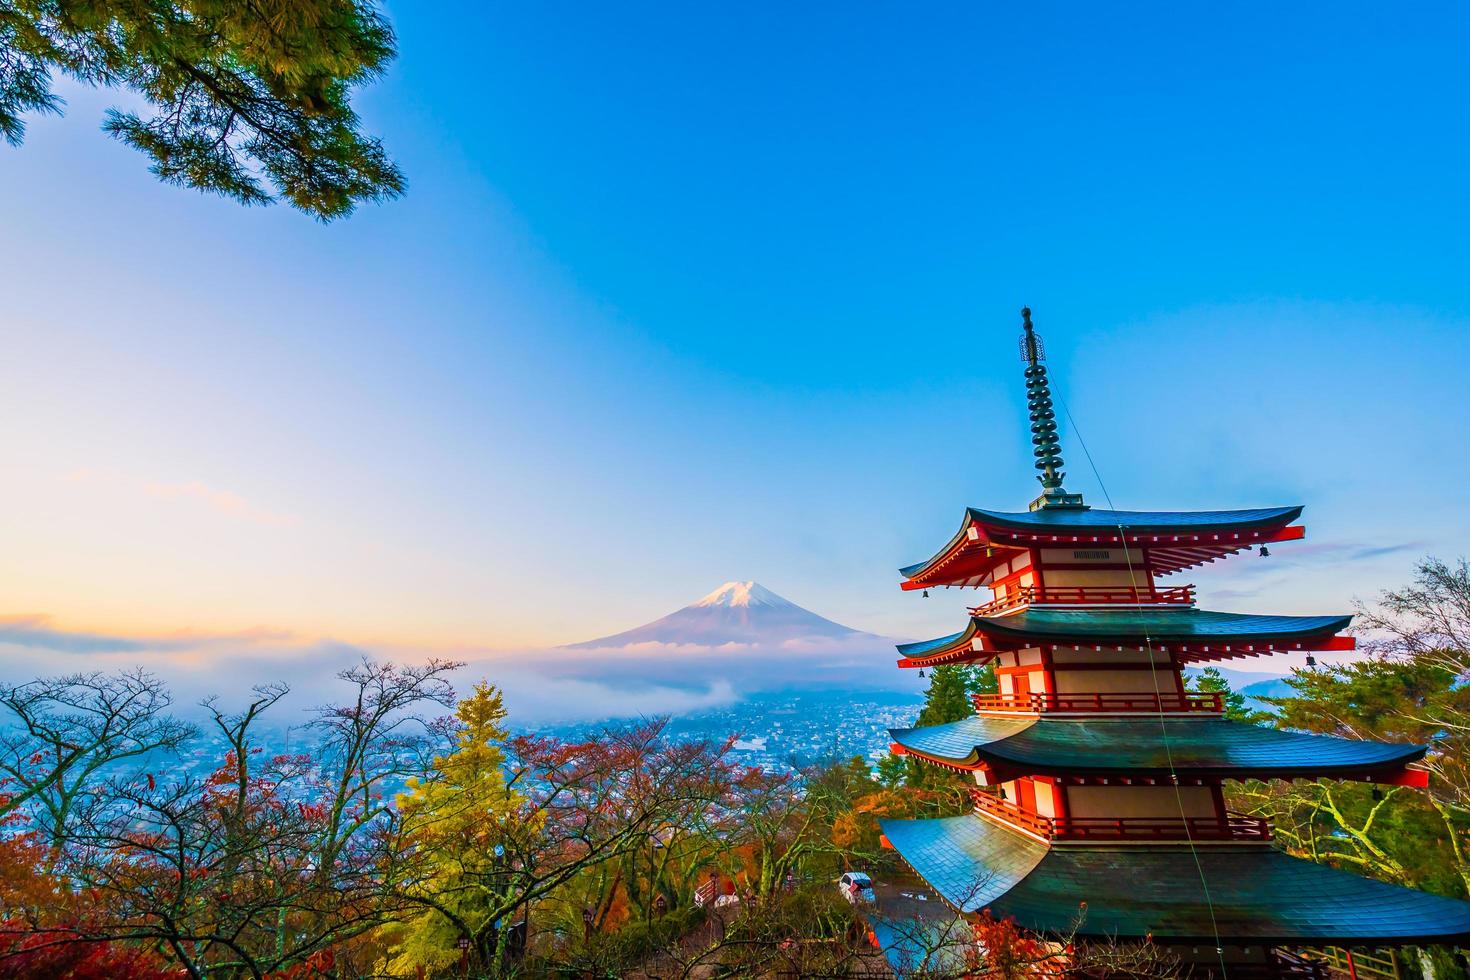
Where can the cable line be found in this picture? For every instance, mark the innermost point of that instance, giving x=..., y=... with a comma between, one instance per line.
x=1158, y=693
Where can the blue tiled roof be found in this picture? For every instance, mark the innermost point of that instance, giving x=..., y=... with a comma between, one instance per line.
x=1151, y=746
x=1162, y=521
x=968, y=860
x=1200, y=746
x=958, y=741
x=1158, y=624
x=923, y=647
x=1106, y=521
x=1255, y=894
x=920, y=937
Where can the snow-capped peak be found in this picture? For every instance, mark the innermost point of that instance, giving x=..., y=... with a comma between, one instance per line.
x=736, y=616
x=742, y=594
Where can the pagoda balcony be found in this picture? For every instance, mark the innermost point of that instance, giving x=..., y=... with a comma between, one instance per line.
x=1279, y=965
x=1233, y=828
x=1086, y=595
x=1151, y=702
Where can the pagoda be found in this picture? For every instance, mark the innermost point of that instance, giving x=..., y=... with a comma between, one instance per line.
x=1098, y=804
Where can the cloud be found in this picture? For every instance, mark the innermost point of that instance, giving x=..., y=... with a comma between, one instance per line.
x=196, y=492
x=856, y=643
x=535, y=698
x=1225, y=595
x=221, y=501
x=1368, y=551
x=542, y=686
x=36, y=632
x=657, y=647
x=1345, y=550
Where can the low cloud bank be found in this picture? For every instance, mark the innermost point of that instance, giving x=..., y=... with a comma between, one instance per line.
x=541, y=686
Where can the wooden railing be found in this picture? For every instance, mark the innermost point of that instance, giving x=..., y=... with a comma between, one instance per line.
x=1012, y=814
x=1233, y=827
x=1280, y=965
x=1360, y=963
x=1190, y=702
x=1090, y=595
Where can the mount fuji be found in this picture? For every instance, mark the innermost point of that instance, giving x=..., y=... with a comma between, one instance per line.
x=737, y=616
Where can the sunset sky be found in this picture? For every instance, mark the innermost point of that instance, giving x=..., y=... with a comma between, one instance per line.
x=679, y=296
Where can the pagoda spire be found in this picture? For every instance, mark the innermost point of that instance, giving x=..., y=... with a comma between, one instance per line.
x=1048, y=449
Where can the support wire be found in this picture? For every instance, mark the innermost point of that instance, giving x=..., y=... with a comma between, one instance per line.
x=1158, y=693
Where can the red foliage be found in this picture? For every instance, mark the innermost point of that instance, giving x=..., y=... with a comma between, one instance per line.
x=316, y=966
x=52, y=954
x=1008, y=952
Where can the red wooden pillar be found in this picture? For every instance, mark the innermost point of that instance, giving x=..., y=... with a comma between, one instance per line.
x=1048, y=681
x=1059, y=798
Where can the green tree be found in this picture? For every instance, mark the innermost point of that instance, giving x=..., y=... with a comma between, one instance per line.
x=892, y=771
x=947, y=699
x=1237, y=706
x=950, y=688
x=1428, y=623
x=1411, y=688
x=1398, y=834
x=249, y=100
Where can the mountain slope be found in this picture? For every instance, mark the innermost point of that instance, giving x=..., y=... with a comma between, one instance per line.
x=736, y=615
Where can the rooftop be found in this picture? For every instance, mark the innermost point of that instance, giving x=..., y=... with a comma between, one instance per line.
x=1206, y=746
x=1193, y=634
x=1255, y=894
x=1181, y=623
x=1176, y=539
x=1134, y=522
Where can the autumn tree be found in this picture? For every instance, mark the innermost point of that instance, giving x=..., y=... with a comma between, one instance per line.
x=273, y=862
x=60, y=736
x=457, y=817
x=248, y=100
x=32, y=955
x=787, y=819
x=565, y=808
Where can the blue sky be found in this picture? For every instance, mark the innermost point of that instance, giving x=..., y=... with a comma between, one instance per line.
x=682, y=295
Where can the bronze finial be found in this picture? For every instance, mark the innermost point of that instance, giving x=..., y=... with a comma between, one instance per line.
x=1048, y=448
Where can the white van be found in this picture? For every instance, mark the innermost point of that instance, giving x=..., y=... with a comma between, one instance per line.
x=856, y=887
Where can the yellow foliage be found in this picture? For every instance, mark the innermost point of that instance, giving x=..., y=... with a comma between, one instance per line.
x=456, y=820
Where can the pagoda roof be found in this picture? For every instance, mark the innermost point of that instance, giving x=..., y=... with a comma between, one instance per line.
x=1183, y=625
x=955, y=646
x=1149, y=522
x=1150, y=747
x=1255, y=893
x=1192, y=634
x=1176, y=539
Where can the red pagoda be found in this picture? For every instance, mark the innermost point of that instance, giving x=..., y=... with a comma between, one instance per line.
x=1099, y=774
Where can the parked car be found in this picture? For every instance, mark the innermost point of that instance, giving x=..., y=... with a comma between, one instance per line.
x=856, y=887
